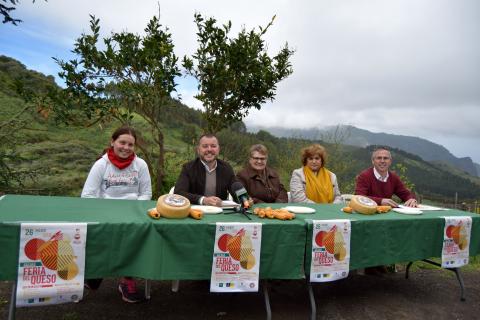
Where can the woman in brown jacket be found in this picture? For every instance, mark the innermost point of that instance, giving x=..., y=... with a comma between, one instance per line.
x=262, y=182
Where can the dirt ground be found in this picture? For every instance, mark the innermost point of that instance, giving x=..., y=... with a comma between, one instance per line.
x=428, y=294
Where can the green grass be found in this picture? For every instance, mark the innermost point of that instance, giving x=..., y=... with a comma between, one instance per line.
x=473, y=265
x=60, y=157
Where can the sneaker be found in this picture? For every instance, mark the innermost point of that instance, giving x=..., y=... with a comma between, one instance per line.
x=128, y=289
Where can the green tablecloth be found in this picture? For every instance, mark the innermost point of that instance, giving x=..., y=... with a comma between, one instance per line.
x=382, y=239
x=123, y=241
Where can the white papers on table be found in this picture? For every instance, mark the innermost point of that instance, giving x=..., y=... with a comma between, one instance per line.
x=228, y=204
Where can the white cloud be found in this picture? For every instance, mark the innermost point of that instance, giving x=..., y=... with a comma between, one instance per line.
x=399, y=66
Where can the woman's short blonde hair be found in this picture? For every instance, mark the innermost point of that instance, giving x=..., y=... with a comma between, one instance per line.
x=314, y=150
x=260, y=148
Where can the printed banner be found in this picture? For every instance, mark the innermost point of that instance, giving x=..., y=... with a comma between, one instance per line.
x=236, y=257
x=456, y=241
x=51, y=263
x=330, y=250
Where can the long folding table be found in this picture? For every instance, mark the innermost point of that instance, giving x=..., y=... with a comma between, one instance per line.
x=122, y=240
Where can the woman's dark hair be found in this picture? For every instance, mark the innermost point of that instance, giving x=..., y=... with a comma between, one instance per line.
x=124, y=130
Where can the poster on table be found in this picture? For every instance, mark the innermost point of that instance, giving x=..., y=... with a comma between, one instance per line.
x=236, y=257
x=51, y=263
x=330, y=250
x=456, y=241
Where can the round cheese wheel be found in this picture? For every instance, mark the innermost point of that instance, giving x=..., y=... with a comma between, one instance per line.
x=363, y=205
x=173, y=206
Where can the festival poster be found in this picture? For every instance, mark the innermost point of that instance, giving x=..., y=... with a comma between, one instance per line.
x=236, y=257
x=456, y=241
x=51, y=263
x=330, y=250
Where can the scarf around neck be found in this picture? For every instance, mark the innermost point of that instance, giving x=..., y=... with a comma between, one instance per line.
x=319, y=187
x=119, y=162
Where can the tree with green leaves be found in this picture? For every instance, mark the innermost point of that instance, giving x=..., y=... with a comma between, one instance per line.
x=401, y=170
x=12, y=178
x=132, y=76
x=6, y=10
x=18, y=116
x=234, y=74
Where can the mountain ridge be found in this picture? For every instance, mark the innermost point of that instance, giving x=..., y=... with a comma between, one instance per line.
x=350, y=135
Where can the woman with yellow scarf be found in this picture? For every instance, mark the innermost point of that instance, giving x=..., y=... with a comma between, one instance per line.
x=313, y=183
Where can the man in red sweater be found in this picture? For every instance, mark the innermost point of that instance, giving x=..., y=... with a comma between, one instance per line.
x=380, y=184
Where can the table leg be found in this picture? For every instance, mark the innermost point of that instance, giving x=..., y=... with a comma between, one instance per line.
x=147, y=289
x=13, y=302
x=408, y=269
x=175, y=284
x=313, y=304
x=457, y=273
x=460, y=280
x=267, y=299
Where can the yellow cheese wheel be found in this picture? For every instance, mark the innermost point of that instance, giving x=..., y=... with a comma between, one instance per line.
x=173, y=206
x=363, y=205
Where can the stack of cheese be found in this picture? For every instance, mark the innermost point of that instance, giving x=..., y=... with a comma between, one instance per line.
x=365, y=205
x=173, y=206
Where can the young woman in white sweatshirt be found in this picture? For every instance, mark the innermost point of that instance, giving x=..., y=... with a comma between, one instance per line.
x=119, y=174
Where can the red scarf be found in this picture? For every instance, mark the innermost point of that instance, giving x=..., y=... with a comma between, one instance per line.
x=119, y=162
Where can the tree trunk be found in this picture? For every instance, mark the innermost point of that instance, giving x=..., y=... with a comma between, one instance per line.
x=160, y=167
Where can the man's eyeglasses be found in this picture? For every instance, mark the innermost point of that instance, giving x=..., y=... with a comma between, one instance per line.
x=382, y=158
x=259, y=159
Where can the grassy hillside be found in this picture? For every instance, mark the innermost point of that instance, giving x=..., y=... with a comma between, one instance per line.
x=55, y=159
x=60, y=157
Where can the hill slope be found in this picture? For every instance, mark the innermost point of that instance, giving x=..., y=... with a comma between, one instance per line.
x=58, y=158
x=351, y=135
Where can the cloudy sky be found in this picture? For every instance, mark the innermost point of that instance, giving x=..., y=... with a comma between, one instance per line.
x=409, y=67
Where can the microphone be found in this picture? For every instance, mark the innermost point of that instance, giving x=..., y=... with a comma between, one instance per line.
x=241, y=194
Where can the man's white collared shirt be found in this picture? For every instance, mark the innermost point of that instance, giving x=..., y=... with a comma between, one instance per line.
x=207, y=167
x=379, y=177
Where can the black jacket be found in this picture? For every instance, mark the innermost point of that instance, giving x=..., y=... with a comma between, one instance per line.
x=191, y=182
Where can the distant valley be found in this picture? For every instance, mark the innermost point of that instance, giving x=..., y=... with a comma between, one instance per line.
x=350, y=135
